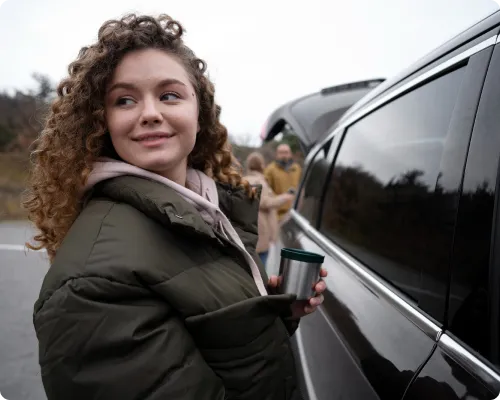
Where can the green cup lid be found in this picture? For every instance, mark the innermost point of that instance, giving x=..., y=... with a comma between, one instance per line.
x=302, y=255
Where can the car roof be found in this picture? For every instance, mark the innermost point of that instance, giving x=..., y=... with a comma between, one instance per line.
x=311, y=115
x=472, y=35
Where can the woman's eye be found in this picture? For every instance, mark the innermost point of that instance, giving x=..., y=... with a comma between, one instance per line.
x=124, y=101
x=170, y=96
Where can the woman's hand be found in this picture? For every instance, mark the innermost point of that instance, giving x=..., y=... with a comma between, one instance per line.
x=299, y=309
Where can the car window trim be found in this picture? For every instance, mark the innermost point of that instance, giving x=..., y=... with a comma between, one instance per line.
x=469, y=361
x=419, y=80
x=383, y=289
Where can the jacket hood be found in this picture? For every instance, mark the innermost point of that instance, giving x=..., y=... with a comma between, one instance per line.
x=199, y=191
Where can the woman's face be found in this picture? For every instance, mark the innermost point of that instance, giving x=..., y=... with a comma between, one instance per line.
x=152, y=113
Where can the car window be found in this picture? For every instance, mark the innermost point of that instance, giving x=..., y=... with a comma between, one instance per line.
x=469, y=296
x=310, y=193
x=383, y=201
x=473, y=300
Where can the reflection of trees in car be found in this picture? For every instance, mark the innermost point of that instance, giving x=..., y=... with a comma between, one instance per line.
x=411, y=224
x=400, y=220
x=403, y=220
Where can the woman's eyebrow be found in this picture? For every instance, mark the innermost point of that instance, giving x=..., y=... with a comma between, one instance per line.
x=131, y=86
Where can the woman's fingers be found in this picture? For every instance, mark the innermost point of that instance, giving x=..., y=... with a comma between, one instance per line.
x=273, y=281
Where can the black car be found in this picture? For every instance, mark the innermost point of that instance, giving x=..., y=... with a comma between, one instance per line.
x=402, y=197
x=310, y=117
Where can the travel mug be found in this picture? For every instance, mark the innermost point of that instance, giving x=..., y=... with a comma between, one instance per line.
x=299, y=272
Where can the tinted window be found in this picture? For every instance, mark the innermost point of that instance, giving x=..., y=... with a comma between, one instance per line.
x=384, y=203
x=473, y=312
x=469, y=303
x=312, y=188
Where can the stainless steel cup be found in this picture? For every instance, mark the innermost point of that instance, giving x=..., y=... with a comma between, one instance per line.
x=299, y=272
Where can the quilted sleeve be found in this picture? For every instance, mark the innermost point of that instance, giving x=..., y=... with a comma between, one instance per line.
x=101, y=339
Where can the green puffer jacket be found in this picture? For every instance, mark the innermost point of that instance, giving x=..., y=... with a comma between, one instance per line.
x=145, y=301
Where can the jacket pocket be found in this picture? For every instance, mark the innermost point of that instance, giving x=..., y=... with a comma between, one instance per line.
x=247, y=346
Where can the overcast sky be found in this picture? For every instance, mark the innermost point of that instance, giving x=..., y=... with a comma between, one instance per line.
x=260, y=53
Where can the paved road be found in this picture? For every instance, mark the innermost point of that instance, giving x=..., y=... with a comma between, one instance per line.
x=21, y=274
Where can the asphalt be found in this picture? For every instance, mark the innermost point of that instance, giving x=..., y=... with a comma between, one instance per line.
x=21, y=275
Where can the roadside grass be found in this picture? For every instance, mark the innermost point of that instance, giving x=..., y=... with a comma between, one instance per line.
x=14, y=169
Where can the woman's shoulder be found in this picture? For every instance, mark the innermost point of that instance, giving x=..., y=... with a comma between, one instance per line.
x=122, y=232
x=117, y=242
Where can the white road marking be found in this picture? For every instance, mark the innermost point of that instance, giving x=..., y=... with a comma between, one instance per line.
x=17, y=247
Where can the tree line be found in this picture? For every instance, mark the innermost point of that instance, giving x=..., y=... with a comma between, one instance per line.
x=22, y=114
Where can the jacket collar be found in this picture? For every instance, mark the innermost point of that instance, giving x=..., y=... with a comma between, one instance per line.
x=166, y=206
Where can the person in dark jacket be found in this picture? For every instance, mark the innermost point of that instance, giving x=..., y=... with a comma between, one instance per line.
x=154, y=290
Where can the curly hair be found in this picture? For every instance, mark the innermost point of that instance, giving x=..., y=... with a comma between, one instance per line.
x=75, y=134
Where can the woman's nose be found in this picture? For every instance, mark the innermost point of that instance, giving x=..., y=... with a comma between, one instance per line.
x=151, y=113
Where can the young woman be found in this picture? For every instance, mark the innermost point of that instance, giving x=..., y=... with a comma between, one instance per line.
x=153, y=290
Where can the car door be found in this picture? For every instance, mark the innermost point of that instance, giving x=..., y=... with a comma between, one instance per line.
x=386, y=227
x=465, y=363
